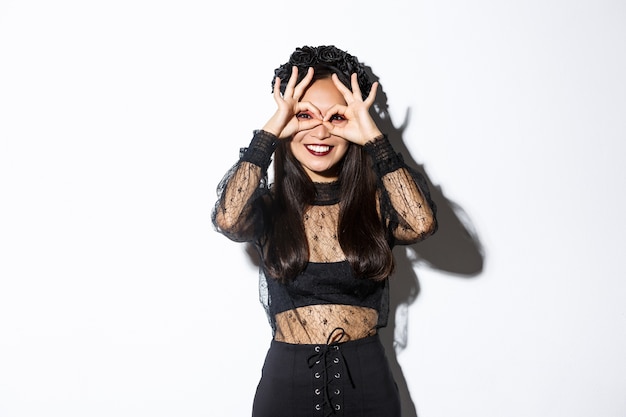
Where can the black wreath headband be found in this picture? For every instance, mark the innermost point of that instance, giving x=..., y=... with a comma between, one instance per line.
x=326, y=57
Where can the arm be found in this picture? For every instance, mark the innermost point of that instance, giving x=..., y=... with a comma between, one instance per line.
x=405, y=202
x=238, y=212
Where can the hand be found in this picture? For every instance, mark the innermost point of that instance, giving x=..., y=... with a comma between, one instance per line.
x=285, y=123
x=360, y=127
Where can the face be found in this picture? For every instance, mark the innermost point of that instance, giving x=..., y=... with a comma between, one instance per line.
x=316, y=149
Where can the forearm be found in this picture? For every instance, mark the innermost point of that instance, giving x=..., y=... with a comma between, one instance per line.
x=240, y=186
x=415, y=212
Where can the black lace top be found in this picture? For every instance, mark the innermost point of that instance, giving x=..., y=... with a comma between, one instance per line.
x=327, y=294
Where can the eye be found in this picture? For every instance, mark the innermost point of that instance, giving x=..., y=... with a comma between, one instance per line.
x=303, y=116
x=337, y=118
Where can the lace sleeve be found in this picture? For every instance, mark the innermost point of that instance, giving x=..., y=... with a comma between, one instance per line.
x=238, y=212
x=405, y=201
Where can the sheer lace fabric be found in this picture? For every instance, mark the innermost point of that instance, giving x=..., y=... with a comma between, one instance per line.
x=314, y=324
x=415, y=216
x=320, y=226
x=233, y=215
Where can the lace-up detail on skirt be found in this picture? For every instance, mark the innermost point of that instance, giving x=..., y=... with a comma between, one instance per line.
x=330, y=369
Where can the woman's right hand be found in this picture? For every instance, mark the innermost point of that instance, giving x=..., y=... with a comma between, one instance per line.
x=285, y=121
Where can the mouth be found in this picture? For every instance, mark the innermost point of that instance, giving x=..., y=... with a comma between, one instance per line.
x=319, y=150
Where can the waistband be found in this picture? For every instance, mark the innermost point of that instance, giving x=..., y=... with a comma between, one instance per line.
x=375, y=338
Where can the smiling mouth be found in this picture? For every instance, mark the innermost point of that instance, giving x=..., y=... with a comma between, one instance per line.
x=319, y=150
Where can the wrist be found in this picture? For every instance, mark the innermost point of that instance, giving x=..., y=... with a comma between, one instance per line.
x=276, y=124
x=260, y=150
x=373, y=136
x=271, y=129
x=383, y=156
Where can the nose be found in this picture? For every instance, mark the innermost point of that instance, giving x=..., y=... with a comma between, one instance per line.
x=320, y=131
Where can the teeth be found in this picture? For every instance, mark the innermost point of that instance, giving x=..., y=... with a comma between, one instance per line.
x=318, y=148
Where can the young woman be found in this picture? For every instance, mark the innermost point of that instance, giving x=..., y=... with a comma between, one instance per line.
x=341, y=198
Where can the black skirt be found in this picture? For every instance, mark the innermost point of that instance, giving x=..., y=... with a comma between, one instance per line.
x=351, y=379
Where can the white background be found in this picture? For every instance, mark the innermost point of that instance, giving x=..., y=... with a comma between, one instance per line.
x=118, y=119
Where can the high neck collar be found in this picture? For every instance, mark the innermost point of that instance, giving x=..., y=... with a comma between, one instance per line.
x=327, y=193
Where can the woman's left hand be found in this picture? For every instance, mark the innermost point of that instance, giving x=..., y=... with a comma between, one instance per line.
x=359, y=128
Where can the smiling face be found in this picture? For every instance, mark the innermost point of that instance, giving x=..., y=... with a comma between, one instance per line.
x=316, y=149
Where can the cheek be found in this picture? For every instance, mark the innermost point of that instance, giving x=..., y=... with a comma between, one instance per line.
x=296, y=139
x=292, y=145
x=342, y=151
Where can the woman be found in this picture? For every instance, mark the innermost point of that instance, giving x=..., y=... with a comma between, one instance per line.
x=341, y=198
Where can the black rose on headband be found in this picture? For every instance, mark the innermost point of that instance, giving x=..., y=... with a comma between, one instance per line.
x=330, y=54
x=327, y=58
x=304, y=57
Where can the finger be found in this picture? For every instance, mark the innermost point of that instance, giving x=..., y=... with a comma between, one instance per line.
x=311, y=108
x=302, y=85
x=334, y=129
x=329, y=125
x=292, y=81
x=277, y=88
x=356, y=90
x=345, y=91
x=335, y=109
x=371, y=97
x=308, y=124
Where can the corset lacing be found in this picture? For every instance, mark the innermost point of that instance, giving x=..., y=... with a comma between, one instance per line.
x=331, y=363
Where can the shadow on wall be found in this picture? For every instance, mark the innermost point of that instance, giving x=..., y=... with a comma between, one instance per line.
x=454, y=248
